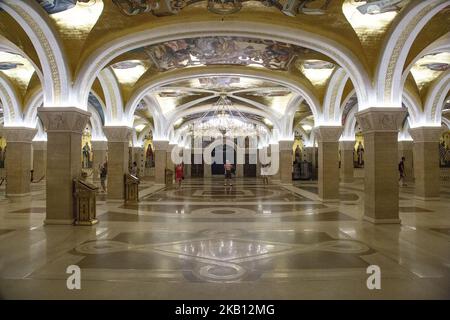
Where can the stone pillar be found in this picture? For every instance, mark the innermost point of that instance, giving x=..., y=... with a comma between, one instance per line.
x=170, y=164
x=99, y=153
x=380, y=129
x=118, y=143
x=139, y=158
x=328, y=179
x=426, y=162
x=239, y=170
x=64, y=126
x=39, y=159
x=207, y=173
x=273, y=147
x=258, y=165
x=347, y=148
x=286, y=161
x=18, y=160
x=405, y=149
x=160, y=148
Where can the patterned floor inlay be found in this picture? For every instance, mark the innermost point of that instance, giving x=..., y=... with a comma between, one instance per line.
x=228, y=217
x=222, y=256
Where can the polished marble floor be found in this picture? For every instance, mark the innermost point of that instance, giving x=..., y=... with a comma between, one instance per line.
x=207, y=241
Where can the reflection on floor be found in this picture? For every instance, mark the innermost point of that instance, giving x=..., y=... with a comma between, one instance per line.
x=207, y=241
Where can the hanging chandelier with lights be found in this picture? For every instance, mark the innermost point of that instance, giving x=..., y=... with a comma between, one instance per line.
x=225, y=120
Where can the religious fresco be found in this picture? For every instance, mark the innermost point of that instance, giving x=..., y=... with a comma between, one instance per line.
x=93, y=101
x=380, y=6
x=222, y=51
x=348, y=107
x=317, y=64
x=444, y=150
x=9, y=65
x=86, y=148
x=437, y=66
x=56, y=6
x=222, y=7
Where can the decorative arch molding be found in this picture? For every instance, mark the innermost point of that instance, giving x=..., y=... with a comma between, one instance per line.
x=287, y=121
x=11, y=103
x=403, y=32
x=34, y=102
x=436, y=98
x=332, y=112
x=96, y=125
x=440, y=45
x=414, y=105
x=57, y=76
x=446, y=122
x=107, y=52
x=6, y=45
x=113, y=97
x=147, y=86
x=350, y=125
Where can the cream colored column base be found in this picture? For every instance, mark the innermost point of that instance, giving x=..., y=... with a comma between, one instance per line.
x=58, y=222
x=382, y=221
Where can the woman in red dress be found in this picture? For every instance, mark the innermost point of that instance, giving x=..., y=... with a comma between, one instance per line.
x=179, y=174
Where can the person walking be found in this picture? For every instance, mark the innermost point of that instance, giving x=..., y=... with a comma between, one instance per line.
x=401, y=169
x=265, y=173
x=103, y=174
x=179, y=174
x=228, y=171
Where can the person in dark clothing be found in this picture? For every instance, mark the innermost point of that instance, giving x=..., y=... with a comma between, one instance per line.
x=401, y=169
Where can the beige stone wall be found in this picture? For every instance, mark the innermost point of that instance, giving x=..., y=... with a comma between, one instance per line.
x=18, y=168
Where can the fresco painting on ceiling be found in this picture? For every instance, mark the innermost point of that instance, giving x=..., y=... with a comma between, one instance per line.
x=317, y=64
x=126, y=64
x=55, y=6
x=380, y=6
x=93, y=101
x=222, y=50
x=437, y=66
x=218, y=82
x=9, y=65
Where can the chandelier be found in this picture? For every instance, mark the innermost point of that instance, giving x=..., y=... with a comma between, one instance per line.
x=225, y=120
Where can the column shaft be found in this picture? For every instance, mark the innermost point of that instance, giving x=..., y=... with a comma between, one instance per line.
x=18, y=160
x=347, y=149
x=39, y=159
x=426, y=162
x=99, y=156
x=64, y=127
x=118, y=156
x=380, y=129
x=328, y=180
x=286, y=161
x=160, y=161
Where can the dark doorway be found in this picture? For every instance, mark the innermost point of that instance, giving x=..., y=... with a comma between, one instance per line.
x=249, y=169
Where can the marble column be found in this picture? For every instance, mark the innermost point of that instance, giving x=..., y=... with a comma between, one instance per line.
x=39, y=159
x=160, y=148
x=275, y=146
x=286, y=161
x=99, y=156
x=18, y=160
x=328, y=179
x=118, y=144
x=426, y=162
x=239, y=170
x=64, y=126
x=207, y=173
x=380, y=129
x=405, y=149
x=169, y=162
x=347, y=149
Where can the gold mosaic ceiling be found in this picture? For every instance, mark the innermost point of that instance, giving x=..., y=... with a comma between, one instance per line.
x=84, y=25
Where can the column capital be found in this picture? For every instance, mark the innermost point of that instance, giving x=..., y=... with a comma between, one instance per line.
x=285, y=145
x=99, y=145
x=117, y=133
x=381, y=119
x=426, y=134
x=39, y=145
x=160, y=144
x=63, y=119
x=347, y=144
x=171, y=146
x=328, y=133
x=19, y=134
x=405, y=145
